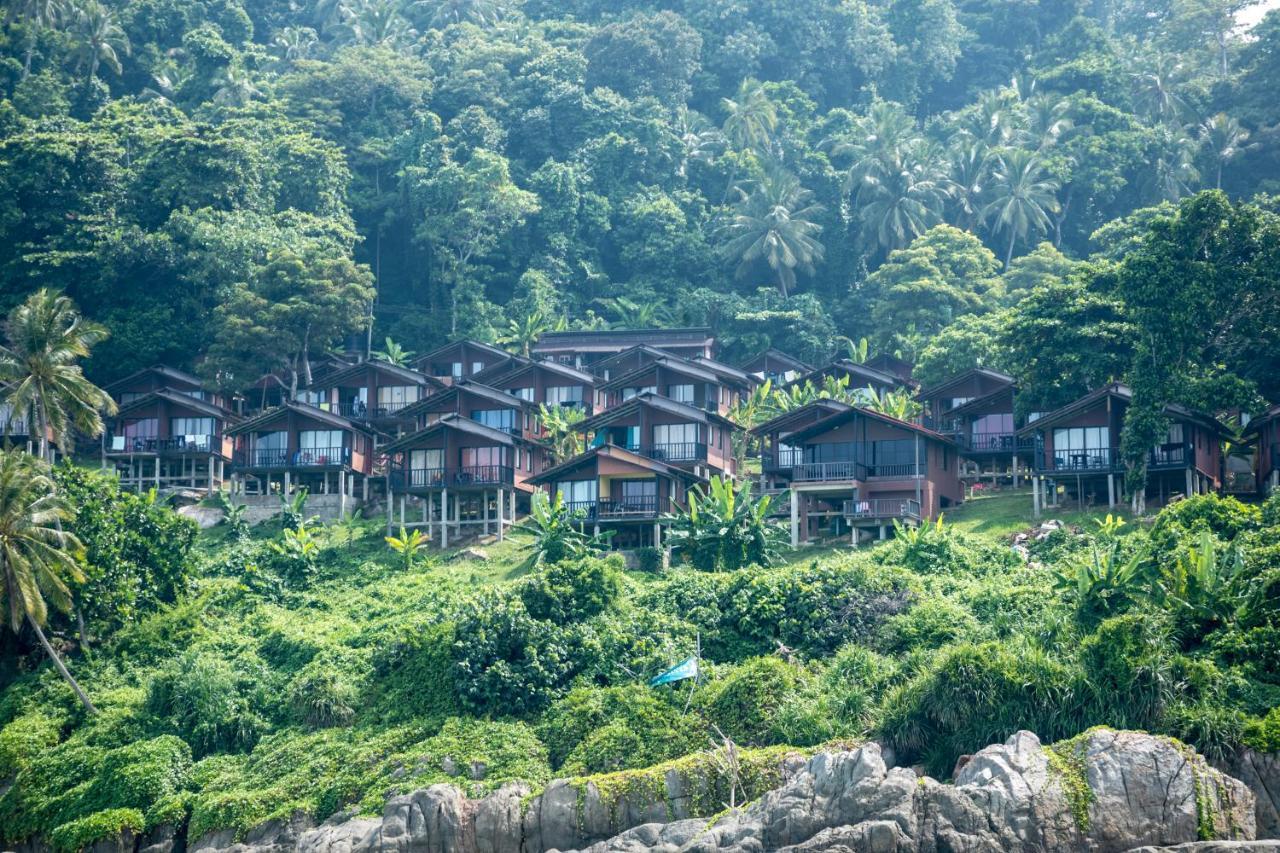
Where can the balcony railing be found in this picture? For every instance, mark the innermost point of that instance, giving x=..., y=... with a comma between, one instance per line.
x=479, y=475
x=440, y=478
x=174, y=445
x=681, y=452
x=1083, y=461
x=640, y=506
x=1171, y=456
x=882, y=508
x=15, y=426
x=781, y=461
x=896, y=472
x=312, y=457
x=358, y=411
x=822, y=472
x=995, y=442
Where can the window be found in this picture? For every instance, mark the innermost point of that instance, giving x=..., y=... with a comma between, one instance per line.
x=455, y=370
x=895, y=458
x=956, y=402
x=1082, y=447
x=270, y=448
x=565, y=395
x=138, y=431
x=431, y=459
x=313, y=398
x=197, y=394
x=523, y=393
x=503, y=419
x=130, y=396
x=483, y=457
x=320, y=439
x=393, y=398
x=676, y=438
x=992, y=432
x=577, y=491
x=477, y=366
x=680, y=393
x=629, y=393
x=197, y=431
x=637, y=494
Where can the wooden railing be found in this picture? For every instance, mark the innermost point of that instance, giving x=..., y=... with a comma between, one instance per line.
x=439, y=478
x=680, y=452
x=314, y=457
x=882, y=508
x=1083, y=461
x=822, y=472
x=995, y=442
x=606, y=509
x=174, y=445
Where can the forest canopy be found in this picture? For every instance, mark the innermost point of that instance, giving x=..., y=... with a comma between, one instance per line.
x=939, y=176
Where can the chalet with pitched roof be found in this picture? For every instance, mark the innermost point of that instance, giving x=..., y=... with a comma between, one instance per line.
x=167, y=439
x=547, y=383
x=1077, y=454
x=480, y=403
x=976, y=409
x=774, y=365
x=667, y=431
x=858, y=376
x=372, y=392
x=610, y=488
x=160, y=377
x=1264, y=432
x=459, y=360
x=680, y=380
x=582, y=349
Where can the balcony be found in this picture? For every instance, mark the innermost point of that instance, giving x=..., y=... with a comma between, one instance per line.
x=995, y=442
x=904, y=471
x=15, y=426
x=441, y=478
x=1101, y=461
x=827, y=472
x=639, y=507
x=358, y=411
x=311, y=457
x=175, y=446
x=783, y=461
x=682, y=452
x=1171, y=456
x=882, y=509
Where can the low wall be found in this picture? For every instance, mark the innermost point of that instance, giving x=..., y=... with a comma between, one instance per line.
x=259, y=508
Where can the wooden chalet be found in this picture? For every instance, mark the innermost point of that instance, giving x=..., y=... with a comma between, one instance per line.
x=976, y=409
x=859, y=376
x=457, y=475
x=778, y=456
x=459, y=360
x=158, y=378
x=480, y=403
x=630, y=359
x=1077, y=452
x=680, y=380
x=774, y=365
x=582, y=349
x=894, y=366
x=298, y=445
x=610, y=488
x=272, y=389
x=1264, y=432
x=373, y=392
x=736, y=380
x=167, y=439
x=858, y=471
x=547, y=383
x=658, y=428
x=16, y=427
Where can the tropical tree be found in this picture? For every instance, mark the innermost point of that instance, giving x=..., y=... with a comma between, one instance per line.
x=1022, y=197
x=897, y=403
x=36, y=554
x=750, y=117
x=393, y=353
x=557, y=532
x=1224, y=139
x=899, y=202
x=294, y=43
x=561, y=426
x=235, y=88
x=523, y=332
x=629, y=314
x=35, y=16
x=99, y=39
x=46, y=339
x=749, y=411
x=482, y=13
x=775, y=224
x=373, y=23
x=407, y=545
x=725, y=528
x=857, y=351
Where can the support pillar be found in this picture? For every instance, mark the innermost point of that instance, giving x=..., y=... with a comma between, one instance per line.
x=1035, y=496
x=444, y=519
x=502, y=497
x=484, y=509
x=287, y=483
x=795, y=519
x=884, y=533
x=1111, y=491
x=657, y=535
x=1191, y=486
x=390, y=499
x=342, y=493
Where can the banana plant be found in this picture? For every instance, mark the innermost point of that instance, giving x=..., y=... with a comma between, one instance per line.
x=408, y=545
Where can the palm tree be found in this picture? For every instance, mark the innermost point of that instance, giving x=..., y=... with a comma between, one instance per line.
x=970, y=166
x=1224, y=138
x=899, y=205
x=698, y=139
x=35, y=15
x=1174, y=173
x=46, y=339
x=750, y=118
x=1156, y=90
x=393, y=353
x=295, y=43
x=99, y=39
x=898, y=404
x=235, y=89
x=1048, y=119
x=482, y=13
x=373, y=23
x=1023, y=196
x=775, y=223
x=629, y=314
x=523, y=332
x=35, y=553
x=561, y=426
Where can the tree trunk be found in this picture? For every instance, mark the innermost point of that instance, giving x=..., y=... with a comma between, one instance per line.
x=43, y=425
x=1008, y=256
x=62, y=669
x=82, y=629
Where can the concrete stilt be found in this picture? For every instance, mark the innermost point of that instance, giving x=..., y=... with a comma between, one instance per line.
x=502, y=497
x=795, y=519
x=1111, y=491
x=444, y=519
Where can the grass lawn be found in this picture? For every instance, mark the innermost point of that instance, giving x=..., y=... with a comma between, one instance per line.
x=1008, y=511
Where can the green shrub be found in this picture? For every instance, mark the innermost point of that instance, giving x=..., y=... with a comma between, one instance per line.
x=970, y=696
x=24, y=737
x=1213, y=730
x=609, y=748
x=325, y=691
x=211, y=703
x=572, y=590
x=140, y=774
x=1129, y=663
x=1270, y=513
x=82, y=832
x=938, y=549
x=650, y=560
x=1255, y=649
x=1263, y=733
x=664, y=731
x=414, y=675
x=1226, y=518
x=746, y=703
x=930, y=624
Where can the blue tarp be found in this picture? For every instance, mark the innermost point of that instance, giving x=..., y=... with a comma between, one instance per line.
x=687, y=668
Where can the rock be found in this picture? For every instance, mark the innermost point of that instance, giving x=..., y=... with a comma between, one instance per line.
x=1215, y=847
x=204, y=516
x=1261, y=772
x=477, y=770
x=449, y=766
x=274, y=836
x=471, y=555
x=161, y=839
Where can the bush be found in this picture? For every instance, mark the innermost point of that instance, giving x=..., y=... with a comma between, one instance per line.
x=746, y=703
x=1213, y=730
x=930, y=624
x=607, y=749
x=1226, y=518
x=650, y=560
x=1263, y=733
x=970, y=696
x=140, y=774
x=1270, y=514
x=82, y=832
x=937, y=549
x=572, y=590
x=1129, y=664
x=664, y=732
x=325, y=692
x=210, y=703
x=414, y=675
x=24, y=737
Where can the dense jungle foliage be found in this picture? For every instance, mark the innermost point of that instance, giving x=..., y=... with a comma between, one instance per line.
x=228, y=185
x=256, y=680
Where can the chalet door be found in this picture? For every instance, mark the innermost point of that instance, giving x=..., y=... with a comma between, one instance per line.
x=638, y=496
x=578, y=495
x=195, y=433
x=270, y=448
x=320, y=447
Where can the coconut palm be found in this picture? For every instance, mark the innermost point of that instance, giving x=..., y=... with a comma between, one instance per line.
x=699, y=141
x=523, y=332
x=393, y=353
x=1022, y=197
x=294, y=43
x=1224, y=139
x=1048, y=120
x=374, y=23
x=970, y=167
x=775, y=224
x=35, y=552
x=898, y=205
x=46, y=339
x=1156, y=90
x=482, y=13
x=750, y=118
x=35, y=16
x=235, y=89
x=99, y=39
x=1174, y=174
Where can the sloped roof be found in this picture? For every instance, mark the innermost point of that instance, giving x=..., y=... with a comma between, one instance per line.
x=648, y=398
x=671, y=362
x=501, y=398
x=952, y=381
x=450, y=422
x=725, y=370
x=848, y=367
x=163, y=370
x=781, y=421
x=303, y=409
x=775, y=354
x=1122, y=392
x=178, y=399
x=613, y=452
x=402, y=373
x=839, y=418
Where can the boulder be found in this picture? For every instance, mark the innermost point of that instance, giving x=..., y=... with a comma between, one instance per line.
x=204, y=516
x=1261, y=772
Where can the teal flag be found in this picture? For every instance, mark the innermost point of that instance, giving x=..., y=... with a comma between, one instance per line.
x=687, y=668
